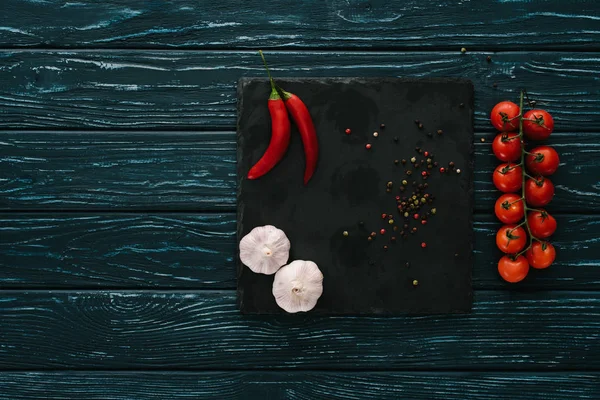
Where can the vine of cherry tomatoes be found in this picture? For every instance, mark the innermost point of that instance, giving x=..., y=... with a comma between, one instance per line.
x=523, y=179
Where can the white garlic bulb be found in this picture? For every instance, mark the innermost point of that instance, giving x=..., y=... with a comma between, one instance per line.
x=265, y=249
x=298, y=286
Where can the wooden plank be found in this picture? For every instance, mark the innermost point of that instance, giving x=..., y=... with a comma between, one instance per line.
x=196, y=89
x=78, y=170
x=195, y=251
x=299, y=385
x=205, y=330
x=193, y=171
x=393, y=24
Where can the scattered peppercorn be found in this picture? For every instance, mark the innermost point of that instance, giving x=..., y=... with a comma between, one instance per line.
x=420, y=125
x=423, y=244
x=369, y=238
x=488, y=59
x=396, y=162
x=439, y=132
x=413, y=159
x=385, y=247
x=458, y=170
x=423, y=222
x=393, y=239
x=345, y=233
x=382, y=126
x=435, y=164
x=409, y=172
x=368, y=146
x=382, y=232
x=375, y=134
x=433, y=211
x=403, y=161
x=383, y=216
x=482, y=140
x=395, y=228
x=416, y=216
x=391, y=222
x=442, y=170
x=424, y=173
x=348, y=131
x=451, y=164
x=415, y=282
x=429, y=134
x=405, y=182
x=461, y=105
x=414, y=229
x=373, y=234
x=389, y=184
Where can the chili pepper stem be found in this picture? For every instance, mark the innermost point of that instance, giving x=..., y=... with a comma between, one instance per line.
x=274, y=94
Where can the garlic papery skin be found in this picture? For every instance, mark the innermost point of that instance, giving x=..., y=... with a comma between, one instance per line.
x=298, y=286
x=265, y=249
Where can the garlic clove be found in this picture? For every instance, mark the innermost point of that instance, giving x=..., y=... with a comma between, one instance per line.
x=298, y=286
x=265, y=249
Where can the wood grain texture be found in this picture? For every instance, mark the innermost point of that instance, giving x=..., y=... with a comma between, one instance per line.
x=78, y=170
x=196, y=171
x=196, y=89
x=304, y=385
x=393, y=24
x=196, y=252
x=205, y=330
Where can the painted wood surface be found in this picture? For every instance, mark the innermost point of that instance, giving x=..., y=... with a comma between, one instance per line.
x=308, y=385
x=196, y=251
x=205, y=330
x=197, y=171
x=196, y=89
x=396, y=24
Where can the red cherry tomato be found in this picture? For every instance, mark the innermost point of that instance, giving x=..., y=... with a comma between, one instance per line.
x=511, y=239
x=507, y=146
x=509, y=208
x=543, y=160
x=539, y=191
x=541, y=224
x=537, y=124
x=513, y=271
x=507, y=177
x=504, y=116
x=540, y=255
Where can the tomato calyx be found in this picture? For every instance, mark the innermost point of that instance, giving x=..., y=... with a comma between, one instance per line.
x=508, y=168
x=539, y=181
x=538, y=120
x=544, y=245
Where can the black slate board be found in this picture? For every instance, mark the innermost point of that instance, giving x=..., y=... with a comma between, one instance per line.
x=360, y=277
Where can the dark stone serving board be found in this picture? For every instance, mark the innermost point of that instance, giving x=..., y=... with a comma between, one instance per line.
x=349, y=186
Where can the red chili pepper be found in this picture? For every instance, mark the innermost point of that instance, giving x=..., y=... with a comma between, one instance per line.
x=303, y=120
x=280, y=134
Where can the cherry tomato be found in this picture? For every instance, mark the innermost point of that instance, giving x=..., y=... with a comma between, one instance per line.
x=540, y=255
x=537, y=124
x=543, y=160
x=507, y=177
x=541, y=224
x=509, y=208
x=511, y=239
x=539, y=191
x=504, y=116
x=507, y=146
x=513, y=271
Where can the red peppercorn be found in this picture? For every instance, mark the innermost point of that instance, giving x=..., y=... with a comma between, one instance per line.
x=348, y=131
x=423, y=221
x=416, y=216
x=424, y=173
x=397, y=197
x=442, y=170
x=368, y=146
x=426, y=154
x=423, y=244
x=383, y=216
x=382, y=232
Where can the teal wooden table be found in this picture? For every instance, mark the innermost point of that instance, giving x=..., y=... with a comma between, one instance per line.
x=117, y=201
